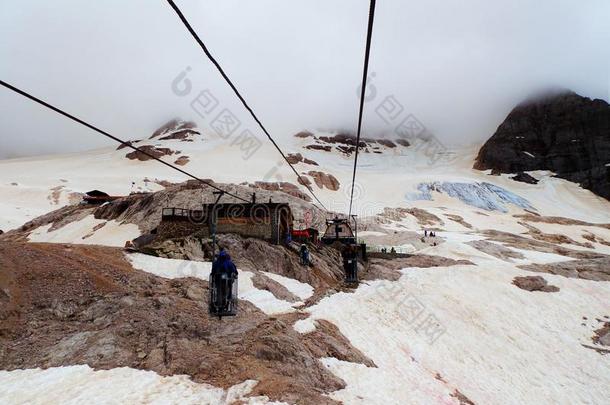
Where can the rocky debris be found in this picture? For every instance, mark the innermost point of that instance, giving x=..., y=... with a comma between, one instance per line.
x=263, y=282
x=496, y=250
x=76, y=304
x=182, y=160
x=284, y=187
x=176, y=129
x=535, y=217
x=521, y=242
x=327, y=341
x=423, y=217
x=602, y=335
x=464, y=400
x=95, y=229
x=459, y=220
x=304, y=134
x=325, y=180
x=552, y=237
x=295, y=158
x=55, y=194
x=346, y=143
x=386, y=143
x=189, y=248
x=596, y=269
x=128, y=143
x=344, y=139
x=151, y=150
x=144, y=209
x=310, y=162
x=325, y=148
x=304, y=180
x=389, y=269
x=559, y=131
x=534, y=283
x=594, y=238
x=525, y=178
x=1, y=231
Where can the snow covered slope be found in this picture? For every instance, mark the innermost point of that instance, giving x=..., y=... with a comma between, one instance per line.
x=448, y=334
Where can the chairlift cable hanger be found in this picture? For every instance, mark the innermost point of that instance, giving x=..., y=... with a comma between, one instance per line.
x=106, y=134
x=238, y=94
x=367, y=52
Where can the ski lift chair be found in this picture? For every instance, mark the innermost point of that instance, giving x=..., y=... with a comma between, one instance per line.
x=223, y=295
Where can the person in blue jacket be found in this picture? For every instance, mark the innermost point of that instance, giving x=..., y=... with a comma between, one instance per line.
x=224, y=265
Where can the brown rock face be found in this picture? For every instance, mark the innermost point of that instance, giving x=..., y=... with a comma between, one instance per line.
x=325, y=180
x=561, y=132
x=175, y=126
x=182, y=160
x=151, y=150
x=534, y=283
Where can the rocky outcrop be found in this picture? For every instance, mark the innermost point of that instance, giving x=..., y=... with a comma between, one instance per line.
x=596, y=269
x=284, y=187
x=295, y=158
x=346, y=143
x=182, y=160
x=559, y=131
x=325, y=180
x=534, y=283
x=64, y=305
x=150, y=151
x=524, y=178
x=176, y=129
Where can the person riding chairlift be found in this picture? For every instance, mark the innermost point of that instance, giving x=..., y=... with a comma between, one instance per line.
x=304, y=252
x=350, y=261
x=224, y=266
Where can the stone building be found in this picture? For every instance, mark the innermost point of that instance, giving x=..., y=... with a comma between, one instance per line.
x=268, y=221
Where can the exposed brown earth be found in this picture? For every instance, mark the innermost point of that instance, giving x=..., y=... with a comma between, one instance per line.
x=595, y=239
x=304, y=134
x=295, y=158
x=284, y=187
x=68, y=304
x=325, y=148
x=185, y=135
x=552, y=237
x=389, y=269
x=534, y=283
x=182, y=160
x=151, y=150
x=521, y=242
x=423, y=217
x=325, y=180
x=496, y=250
x=602, y=335
x=534, y=217
x=597, y=269
x=459, y=220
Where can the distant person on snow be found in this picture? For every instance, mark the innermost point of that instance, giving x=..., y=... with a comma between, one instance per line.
x=393, y=251
x=304, y=255
x=425, y=232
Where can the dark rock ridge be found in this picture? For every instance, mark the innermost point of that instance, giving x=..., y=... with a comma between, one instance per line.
x=176, y=129
x=346, y=143
x=559, y=131
x=525, y=178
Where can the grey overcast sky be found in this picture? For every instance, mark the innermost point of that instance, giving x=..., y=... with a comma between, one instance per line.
x=458, y=65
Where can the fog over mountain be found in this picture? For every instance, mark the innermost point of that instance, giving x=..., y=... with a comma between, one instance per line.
x=458, y=66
